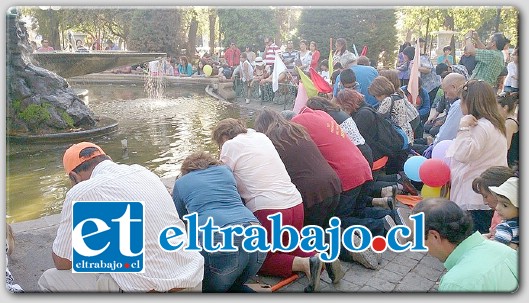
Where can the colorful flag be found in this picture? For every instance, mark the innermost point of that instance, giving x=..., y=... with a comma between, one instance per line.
x=301, y=99
x=331, y=59
x=321, y=84
x=364, y=51
x=307, y=83
x=279, y=67
x=413, y=84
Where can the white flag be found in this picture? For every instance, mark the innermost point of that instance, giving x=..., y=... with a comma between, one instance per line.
x=279, y=67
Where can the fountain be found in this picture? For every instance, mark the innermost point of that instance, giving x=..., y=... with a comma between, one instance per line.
x=68, y=64
x=41, y=105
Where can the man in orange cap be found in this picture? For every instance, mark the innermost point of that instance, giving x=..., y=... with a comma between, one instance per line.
x=96, y=178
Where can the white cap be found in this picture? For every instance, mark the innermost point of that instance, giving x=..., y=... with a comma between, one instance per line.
x=508, y=189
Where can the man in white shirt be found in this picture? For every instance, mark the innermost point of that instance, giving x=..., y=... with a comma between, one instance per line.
x=96, y=178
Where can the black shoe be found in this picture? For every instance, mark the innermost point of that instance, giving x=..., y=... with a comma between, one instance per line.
x=334, y=270
x=407, y=185
x=391, y=202
x=397, y=217
x=315, y=272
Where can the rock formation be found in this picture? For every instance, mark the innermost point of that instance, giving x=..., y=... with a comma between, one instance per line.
x=38, y=101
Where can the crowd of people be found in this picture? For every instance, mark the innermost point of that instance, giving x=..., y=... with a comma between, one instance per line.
x=328, y=159
x=79, y=45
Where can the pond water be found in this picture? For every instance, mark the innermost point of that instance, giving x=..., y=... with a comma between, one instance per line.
x=160, y=134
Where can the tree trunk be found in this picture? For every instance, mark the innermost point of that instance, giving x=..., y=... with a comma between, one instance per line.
x=212, y=21
x=192, y=38
x=54, y=30
x=449, y=25
x=498, y=17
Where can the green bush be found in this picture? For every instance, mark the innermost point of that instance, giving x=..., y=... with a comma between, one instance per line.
x=15, y=105
x=34, y=113
x=67, y=118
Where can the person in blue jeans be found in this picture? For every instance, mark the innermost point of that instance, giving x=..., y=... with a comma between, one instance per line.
x=208, y=187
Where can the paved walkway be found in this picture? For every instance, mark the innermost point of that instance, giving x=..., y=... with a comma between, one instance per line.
x=398, y=272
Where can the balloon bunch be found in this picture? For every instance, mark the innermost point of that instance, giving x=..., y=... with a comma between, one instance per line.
x=434, y=172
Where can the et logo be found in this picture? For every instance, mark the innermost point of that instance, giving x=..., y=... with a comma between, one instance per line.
x=108, y=237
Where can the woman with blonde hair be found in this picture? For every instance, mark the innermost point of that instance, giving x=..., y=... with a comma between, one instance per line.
x=480, y=143
x=393, y=77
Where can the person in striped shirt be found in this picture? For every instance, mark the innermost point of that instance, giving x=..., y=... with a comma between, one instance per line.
x=95, y=177
x=271, y=50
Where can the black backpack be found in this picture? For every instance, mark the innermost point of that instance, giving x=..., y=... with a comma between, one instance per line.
x=388, y=138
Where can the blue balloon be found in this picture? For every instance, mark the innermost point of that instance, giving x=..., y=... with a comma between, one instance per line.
x=411, y=167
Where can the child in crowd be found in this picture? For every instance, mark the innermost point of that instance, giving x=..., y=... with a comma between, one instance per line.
x=324, y=70
x=507, y=232
x=337, y=68
x=492, y=176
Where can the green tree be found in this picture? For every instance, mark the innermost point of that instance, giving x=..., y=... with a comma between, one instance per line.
x=247, y=26
x=483, y=19
x=155, y=30
x=372, y=27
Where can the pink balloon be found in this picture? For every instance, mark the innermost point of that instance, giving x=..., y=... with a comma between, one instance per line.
x=434, y=172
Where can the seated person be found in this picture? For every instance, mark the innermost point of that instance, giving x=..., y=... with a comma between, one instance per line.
x=200, y=69
x=507, y=232
x=185, y=69
x=225, y=71
x=259, y=73
x=337, y=68
x=324, y=70
x=80, y=48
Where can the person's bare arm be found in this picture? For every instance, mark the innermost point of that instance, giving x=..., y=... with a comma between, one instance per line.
x=479, y=44
x=469, y=44
x=61, y=263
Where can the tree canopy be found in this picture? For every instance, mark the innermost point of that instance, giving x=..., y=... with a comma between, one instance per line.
x=169, y=29
x=359, y=26
x=247, y=26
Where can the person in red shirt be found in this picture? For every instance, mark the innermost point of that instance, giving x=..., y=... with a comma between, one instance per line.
x=315, y=55
x=355, y=175
x=351, y=167
x=232, y=55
